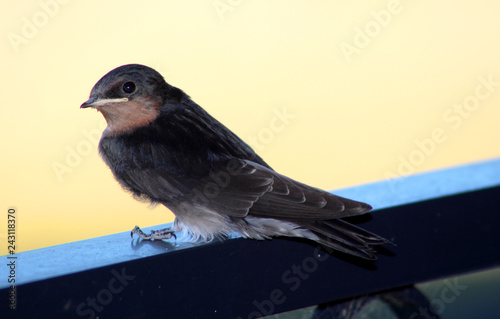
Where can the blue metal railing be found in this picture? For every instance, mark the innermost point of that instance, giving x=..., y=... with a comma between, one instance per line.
x=444, y=223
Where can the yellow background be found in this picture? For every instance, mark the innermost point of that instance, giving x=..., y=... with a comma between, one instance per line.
x=362, y=85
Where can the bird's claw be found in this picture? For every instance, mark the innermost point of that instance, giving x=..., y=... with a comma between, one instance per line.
x=165, y=233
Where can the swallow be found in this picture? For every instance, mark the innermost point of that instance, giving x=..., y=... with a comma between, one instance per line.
x=165, y=149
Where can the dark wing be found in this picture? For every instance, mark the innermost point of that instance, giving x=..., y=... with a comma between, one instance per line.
x=241, y=187
x=250, y=189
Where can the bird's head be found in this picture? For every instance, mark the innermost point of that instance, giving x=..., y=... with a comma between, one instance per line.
x=129, y=96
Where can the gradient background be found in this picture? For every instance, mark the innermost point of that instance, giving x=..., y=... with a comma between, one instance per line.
x=356, y=114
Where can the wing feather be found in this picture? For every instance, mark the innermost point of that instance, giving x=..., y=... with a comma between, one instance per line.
x=252, y=189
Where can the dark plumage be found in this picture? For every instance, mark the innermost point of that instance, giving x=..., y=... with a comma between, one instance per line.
x=164, y=148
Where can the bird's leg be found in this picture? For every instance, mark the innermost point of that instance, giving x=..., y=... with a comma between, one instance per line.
x=165, y=233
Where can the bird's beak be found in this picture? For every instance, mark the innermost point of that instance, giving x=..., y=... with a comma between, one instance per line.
x=92, y=102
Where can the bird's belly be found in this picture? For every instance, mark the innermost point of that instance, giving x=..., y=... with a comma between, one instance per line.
x=207, y=224
x=201, y=222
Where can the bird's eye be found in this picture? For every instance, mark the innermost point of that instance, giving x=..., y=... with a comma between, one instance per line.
x=129, y=87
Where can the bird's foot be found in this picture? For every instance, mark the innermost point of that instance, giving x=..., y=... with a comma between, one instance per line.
x=165, y=233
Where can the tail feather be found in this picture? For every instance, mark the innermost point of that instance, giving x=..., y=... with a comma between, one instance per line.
x=363, y=252
x=355, y=231
x=348, y=238
x=325, y=229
